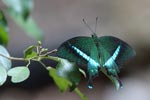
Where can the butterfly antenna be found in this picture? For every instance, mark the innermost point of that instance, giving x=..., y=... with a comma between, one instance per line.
x=96, y=24
x=88, y=26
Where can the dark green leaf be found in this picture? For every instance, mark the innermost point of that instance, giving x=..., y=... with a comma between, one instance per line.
x=19, y=74
x=29, y=52
x=3, y=75
x=69, y=71
x=62, y=83
x=6, y=63
x=3, y=21
x=3, y=29
x=20, y=7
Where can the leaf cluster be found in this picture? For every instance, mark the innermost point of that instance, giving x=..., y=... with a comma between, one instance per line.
x=66, y=75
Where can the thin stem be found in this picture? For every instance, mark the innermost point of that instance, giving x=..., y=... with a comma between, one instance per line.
x=29, y=62
x=82, y=96
x=38, y=50
x=47, y=53
x=13, y=58
x=39, y=47
x=57, y=59
x=42, y=64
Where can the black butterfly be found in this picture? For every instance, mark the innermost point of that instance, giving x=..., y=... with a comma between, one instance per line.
x=105, y=53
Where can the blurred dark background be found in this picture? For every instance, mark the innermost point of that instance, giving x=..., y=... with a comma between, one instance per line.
x=60, y=20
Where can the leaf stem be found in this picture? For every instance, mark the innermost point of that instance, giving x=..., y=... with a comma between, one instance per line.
x=42, y=64
x=13, y=58
x=82, y=96
x=47, y=53
x=29, y=62
x=57, y=59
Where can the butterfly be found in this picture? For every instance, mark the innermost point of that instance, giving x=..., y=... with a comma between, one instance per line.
x=106, y=54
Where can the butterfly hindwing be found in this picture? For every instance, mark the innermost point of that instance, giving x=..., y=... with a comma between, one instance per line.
x=109, y=45
x=113, y=53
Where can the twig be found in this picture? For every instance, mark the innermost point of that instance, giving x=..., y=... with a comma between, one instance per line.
x=43, y=64
x=47, y=53
x=13, y=58
x=29, y=62
x=82, y=96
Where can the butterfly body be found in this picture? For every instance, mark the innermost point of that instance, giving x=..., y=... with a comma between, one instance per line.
x=104, y=53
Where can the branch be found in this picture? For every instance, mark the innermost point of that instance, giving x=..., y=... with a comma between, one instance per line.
x=13, y=58
x=53, y=51
x=43, y=64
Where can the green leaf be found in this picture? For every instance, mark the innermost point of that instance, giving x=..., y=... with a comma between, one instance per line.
x=20, y=7
x=6, y=63
x=3, y=75
x=3, y=21
x=3, y=29
x=69, y=71
x=29, y=52
x=28, y=25
x=19, y=74
x=62, y=83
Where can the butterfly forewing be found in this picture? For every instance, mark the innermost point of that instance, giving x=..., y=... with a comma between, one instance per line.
x=85, y=44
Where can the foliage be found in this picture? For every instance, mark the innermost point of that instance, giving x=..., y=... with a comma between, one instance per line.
x=4, y=61
x=18, y=74
x=3, y=75
x=19, y=11
x=66, y=75
x=3, y=29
